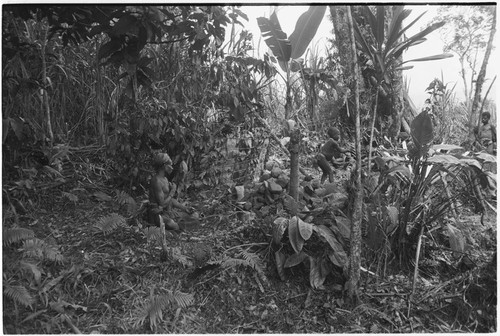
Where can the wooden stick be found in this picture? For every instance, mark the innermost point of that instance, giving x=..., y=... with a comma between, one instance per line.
x=415, y=273
x=163, y=234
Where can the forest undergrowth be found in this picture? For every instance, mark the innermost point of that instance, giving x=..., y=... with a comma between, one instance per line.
x=116, y=279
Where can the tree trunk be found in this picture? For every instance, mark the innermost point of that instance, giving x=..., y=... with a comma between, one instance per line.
x=44, y=93
x=99, y=99
x=338, y=16
x=357, y=213
x=311, y=102
x=288, y=98
x=397, y=87
x=482, y=73
x=294, y=149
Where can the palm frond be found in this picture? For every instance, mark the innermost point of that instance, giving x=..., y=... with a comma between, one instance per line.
x=15, y=235
x=18, y=294
x=110, y=223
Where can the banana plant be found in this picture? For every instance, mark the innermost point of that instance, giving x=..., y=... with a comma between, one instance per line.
x=286, y=49
x=385, y=48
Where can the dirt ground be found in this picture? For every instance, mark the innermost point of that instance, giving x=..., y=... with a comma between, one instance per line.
x=108, y=282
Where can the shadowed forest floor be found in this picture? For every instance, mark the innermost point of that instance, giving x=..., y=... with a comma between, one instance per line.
x=107, y=281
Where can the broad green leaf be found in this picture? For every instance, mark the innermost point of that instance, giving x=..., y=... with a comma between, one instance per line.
x=275, y=38
x=305, y=29
x=392, y=214
x=294, y=236
x=295, y=259
x=403, y=170
x=290, y=204
x=316, y=279
x=279, y=227
x=344, y=227
x=471, y=162
x=445, y=147
x=327, y=234
x=486, y=157
x=422, y=130
x=305, y=229
x=444, y=159
x=338, y=258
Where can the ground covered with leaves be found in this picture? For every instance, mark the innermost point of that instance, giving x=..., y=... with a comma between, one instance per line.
x=99, y=269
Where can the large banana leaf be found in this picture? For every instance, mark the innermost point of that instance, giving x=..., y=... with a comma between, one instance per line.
x=276, y=39
x=305, y=29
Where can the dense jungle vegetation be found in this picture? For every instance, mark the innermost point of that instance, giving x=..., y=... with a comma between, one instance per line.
x=403, y=239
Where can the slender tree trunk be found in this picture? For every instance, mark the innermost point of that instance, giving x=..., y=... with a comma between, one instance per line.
x=99, y=100
x=357, y=213
x=482, y=72
x=466, y=86
x=44, y=92
x=338, y=16
x=397, y=95
x=288, y=98
x=294, y=149
x=294, y=145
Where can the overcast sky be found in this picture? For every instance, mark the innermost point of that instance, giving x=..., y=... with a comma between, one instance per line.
x=422, y=73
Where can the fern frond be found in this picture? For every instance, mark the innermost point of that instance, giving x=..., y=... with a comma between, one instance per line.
x=232, y=262
x=154, y=309
x=15, y=235
x=37, y=248
x=254, y=260
x=153, y=233
x=110, y=223
x=183, y=300
x=125, y=199
x=256, y=263
x=18, y=294
x=33, y=248
x=51, y=253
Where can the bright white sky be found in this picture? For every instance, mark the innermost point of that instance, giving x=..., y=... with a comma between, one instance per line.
x=419, y=77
